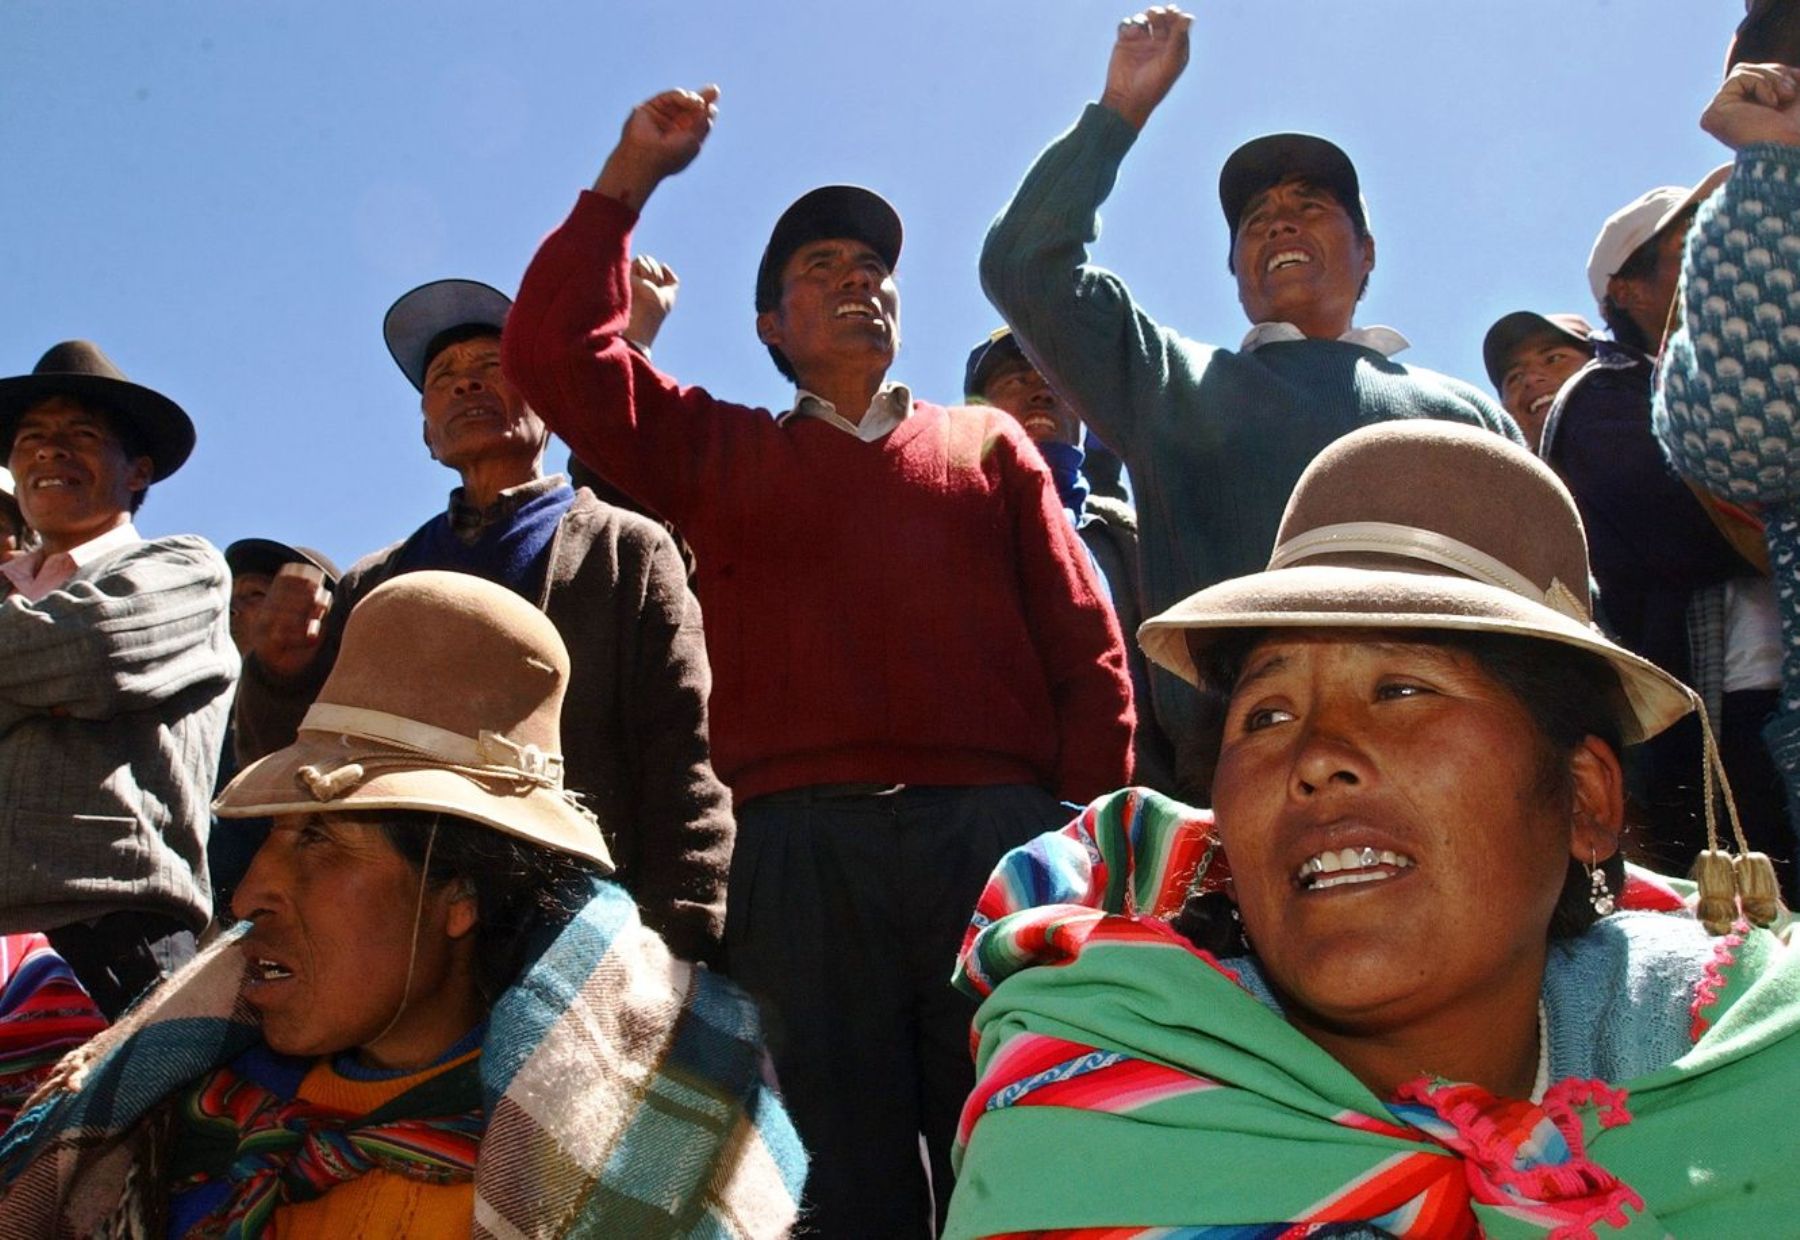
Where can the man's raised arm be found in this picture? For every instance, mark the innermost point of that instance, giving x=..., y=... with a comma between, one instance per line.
x=1077, y=322
x=566, y=341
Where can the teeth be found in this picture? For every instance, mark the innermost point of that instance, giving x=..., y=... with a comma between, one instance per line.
x=1542, y=402
x=1287, y=258
x=852, y=308
x=272, y=971
x=1333, y=867
x=1346, y=880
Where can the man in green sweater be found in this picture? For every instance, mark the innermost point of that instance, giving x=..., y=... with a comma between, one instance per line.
x=1214, y=439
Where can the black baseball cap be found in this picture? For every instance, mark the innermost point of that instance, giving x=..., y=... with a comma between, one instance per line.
x=829, y=211
x=1274, y=158
x=1000, y=348
x=1512, y=330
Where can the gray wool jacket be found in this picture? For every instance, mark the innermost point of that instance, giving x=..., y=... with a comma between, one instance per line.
x=114, y=695
x=634, y=733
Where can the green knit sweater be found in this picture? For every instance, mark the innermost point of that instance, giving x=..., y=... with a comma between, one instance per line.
x=1214, y=439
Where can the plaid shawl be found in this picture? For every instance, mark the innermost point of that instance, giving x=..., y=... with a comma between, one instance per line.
x=625, y=1092
x=1199, y=1112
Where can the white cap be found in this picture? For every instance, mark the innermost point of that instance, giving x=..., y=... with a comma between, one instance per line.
x=1634, y=224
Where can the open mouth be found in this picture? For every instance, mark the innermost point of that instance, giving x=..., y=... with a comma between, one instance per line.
x=1347, y=867
x=1039, y=425
x=1541, y=404
x=270, y=970
x=1287, y=258
x=54, y=482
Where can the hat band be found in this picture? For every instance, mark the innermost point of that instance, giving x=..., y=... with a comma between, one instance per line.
x=490, y=751
x=1412, y=543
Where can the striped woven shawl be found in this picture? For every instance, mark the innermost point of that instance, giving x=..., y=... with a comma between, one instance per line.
x=1129, y=1086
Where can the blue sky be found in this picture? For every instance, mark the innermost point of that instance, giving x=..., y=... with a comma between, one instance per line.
x=228, y=195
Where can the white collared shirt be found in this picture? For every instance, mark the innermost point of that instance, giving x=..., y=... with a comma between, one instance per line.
x=35, y=574
x=1384, y=340
x=892, y=406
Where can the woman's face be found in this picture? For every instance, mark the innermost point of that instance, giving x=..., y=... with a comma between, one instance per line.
x=1392, y=845
x=334, y=906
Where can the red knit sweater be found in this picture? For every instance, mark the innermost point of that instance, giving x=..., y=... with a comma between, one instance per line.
x=916, y=610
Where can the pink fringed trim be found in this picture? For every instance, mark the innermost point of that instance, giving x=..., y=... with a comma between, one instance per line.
x=1579, y=1185
x=1706, y=994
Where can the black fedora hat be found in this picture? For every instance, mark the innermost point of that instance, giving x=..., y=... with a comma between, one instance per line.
x=266, y=556
x=79, y=369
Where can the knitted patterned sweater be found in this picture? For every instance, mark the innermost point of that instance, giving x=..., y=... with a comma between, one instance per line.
x=915, y=610
x=1214, y=439
x=1729, y=390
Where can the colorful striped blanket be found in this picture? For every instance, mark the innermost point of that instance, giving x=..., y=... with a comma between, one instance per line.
x=626, y=1094
x=44, y=1014
x=1128, y=1085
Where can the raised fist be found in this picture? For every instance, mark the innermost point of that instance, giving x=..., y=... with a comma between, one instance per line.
x=1149, y=54
x=654, y=286
x=1757, y=103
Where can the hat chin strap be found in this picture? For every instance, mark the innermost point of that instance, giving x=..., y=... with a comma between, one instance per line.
x=489, y=752
x=1413, y=543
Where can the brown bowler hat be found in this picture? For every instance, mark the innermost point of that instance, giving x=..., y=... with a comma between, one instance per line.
x=465, y=723
x=78, y=368
x=1421, y=524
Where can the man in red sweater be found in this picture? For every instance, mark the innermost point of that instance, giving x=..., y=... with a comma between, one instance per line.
x=912, y=661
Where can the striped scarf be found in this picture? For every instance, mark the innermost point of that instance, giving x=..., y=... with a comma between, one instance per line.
x=1198, y=1111
x=44, y=1014
x=278, y=1151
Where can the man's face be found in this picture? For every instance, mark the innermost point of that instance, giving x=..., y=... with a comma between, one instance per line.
x=1535, y=371
x=471, y=412
x=1297, y=255
x=1018, y=389
x=839, y=307
x=74, y=480
x=1649, y=297
x=247, y=593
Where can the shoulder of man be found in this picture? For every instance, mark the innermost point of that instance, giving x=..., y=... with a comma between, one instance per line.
x=189, y=554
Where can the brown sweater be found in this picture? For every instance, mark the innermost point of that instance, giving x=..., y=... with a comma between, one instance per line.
x=634, y=721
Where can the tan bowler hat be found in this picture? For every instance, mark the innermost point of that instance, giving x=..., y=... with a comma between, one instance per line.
x=446, y=695
x=1421, y=524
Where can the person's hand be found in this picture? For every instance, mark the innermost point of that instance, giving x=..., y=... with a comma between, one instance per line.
x=661, y=137
x=289, y=623
x=1756, y=103
x=654, y=287
x=1149, y=54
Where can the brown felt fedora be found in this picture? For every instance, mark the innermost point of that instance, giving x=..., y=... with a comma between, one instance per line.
x=78, y=368
x=464, y=722
x=1420, y=524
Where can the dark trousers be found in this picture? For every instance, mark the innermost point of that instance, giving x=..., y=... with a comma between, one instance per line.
x=121, y=955
x=846, y=910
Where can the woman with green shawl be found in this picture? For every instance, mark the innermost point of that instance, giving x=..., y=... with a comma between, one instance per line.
x=1399, y=980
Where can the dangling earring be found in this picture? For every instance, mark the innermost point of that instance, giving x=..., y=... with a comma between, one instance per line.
x=1599, y=894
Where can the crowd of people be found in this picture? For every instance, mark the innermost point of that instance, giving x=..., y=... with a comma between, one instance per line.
x=694, y=843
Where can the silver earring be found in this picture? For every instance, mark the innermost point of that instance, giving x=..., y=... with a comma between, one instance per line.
x=1599, y=894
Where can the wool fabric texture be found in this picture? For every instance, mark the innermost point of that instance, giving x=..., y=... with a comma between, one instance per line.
x=914, y=610
x=261, y=1153
x=1214, y=439
x=1104, y=1031
x=604, y=1057
x=1730, y=386
x=114, y=694
x=44, y=1014
x=511, y=553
